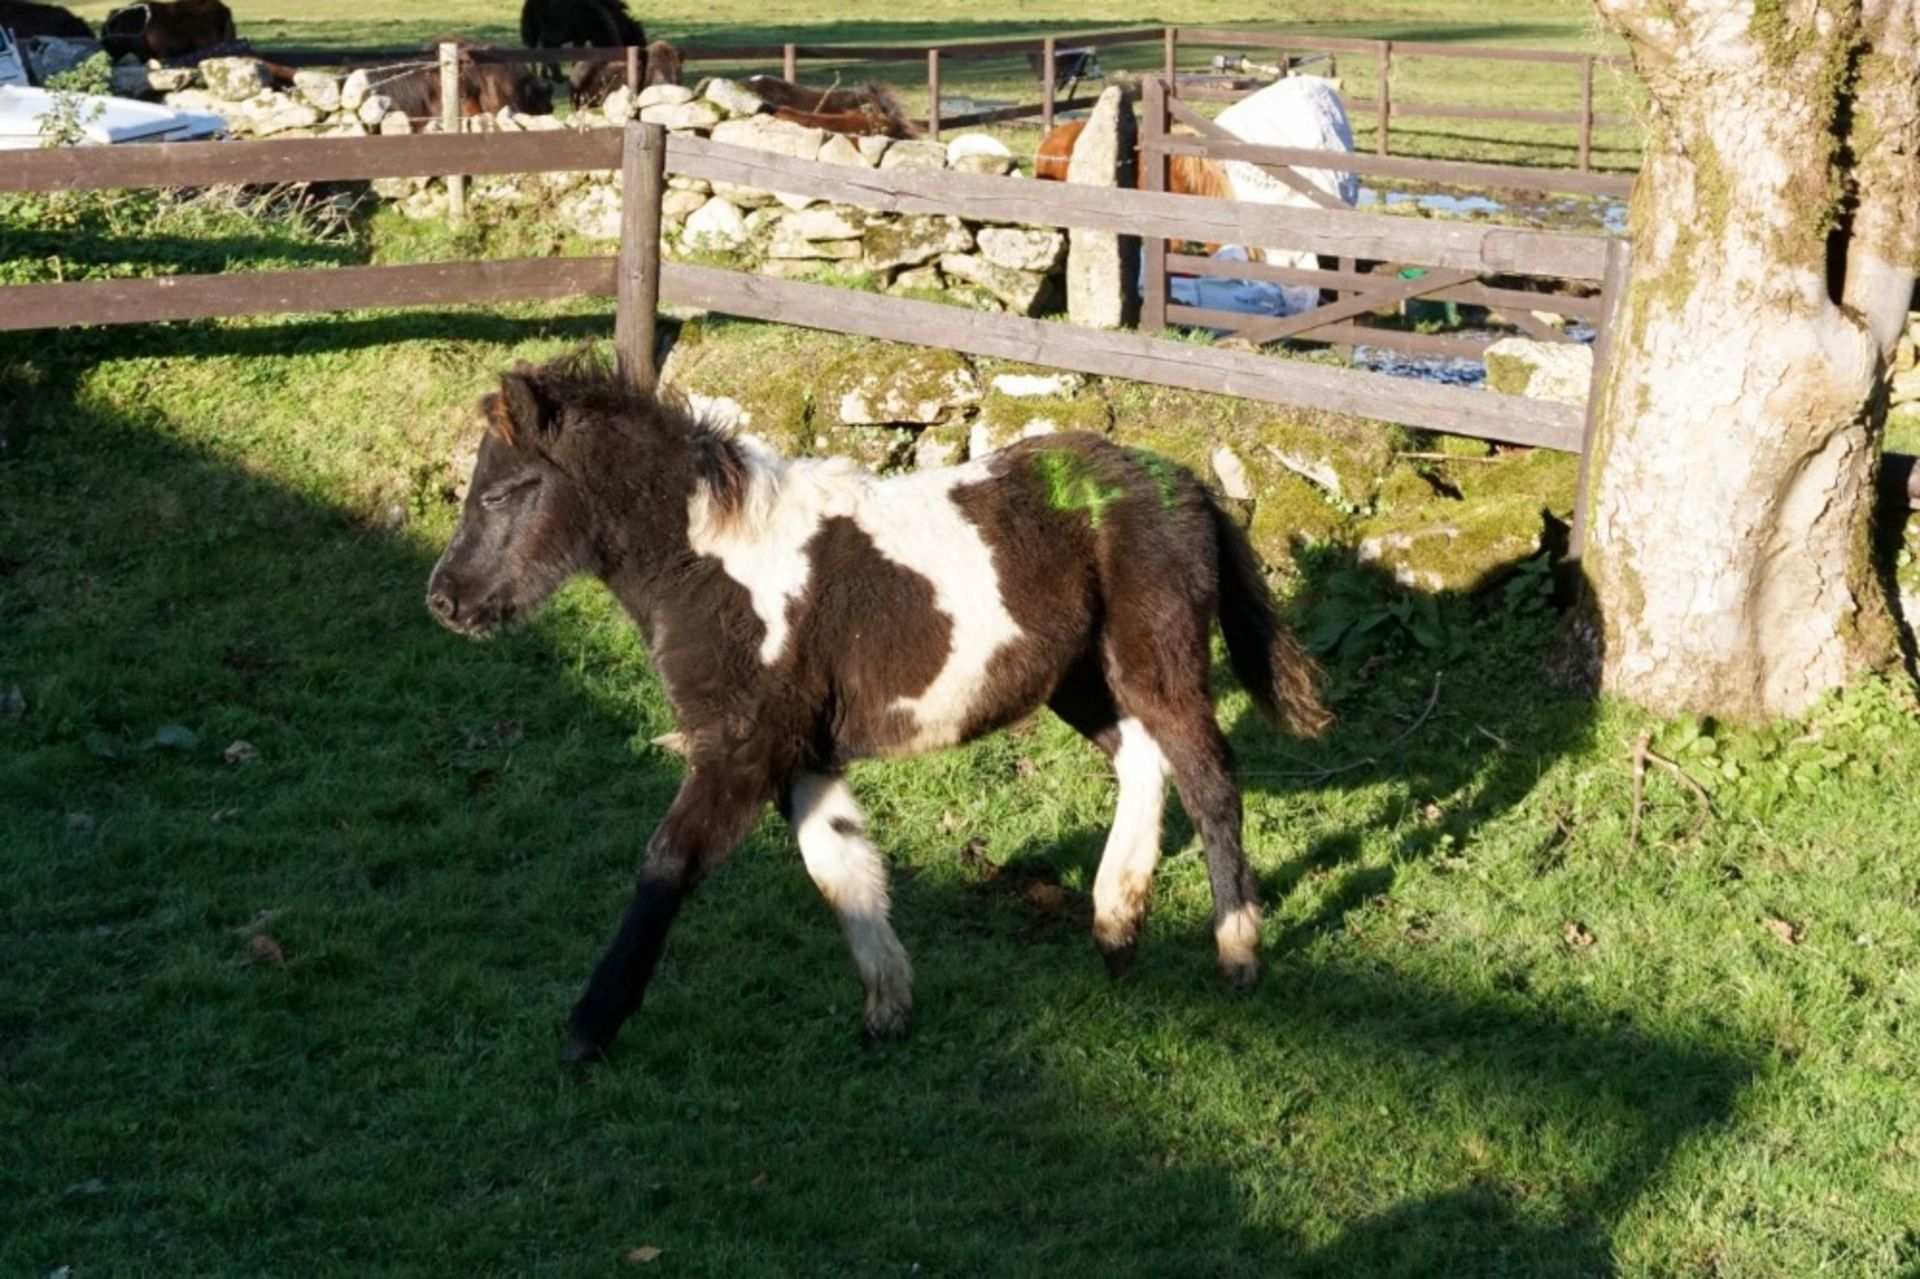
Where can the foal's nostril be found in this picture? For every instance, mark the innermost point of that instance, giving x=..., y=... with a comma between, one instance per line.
x=443, y=605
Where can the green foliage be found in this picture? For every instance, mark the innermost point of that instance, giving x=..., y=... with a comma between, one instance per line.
x=1362, y=613
x=65, y=124
x=1841, y=745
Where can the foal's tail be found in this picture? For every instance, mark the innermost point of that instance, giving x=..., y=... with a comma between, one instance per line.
x=1267, y=657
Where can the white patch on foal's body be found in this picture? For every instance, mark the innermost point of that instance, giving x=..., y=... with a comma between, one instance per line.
x=850, y=875
x=912, y=520
x=763, y=546
x=1124, y=883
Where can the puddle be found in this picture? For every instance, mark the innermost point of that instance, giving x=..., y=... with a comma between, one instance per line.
x=1448, y=370
x=1560, y=213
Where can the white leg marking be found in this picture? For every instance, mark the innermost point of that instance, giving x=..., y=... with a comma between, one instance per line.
x=853, y=879
x=1124, y=884
x=1238, y=939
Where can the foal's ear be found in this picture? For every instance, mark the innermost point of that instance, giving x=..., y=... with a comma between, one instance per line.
x=519, y=410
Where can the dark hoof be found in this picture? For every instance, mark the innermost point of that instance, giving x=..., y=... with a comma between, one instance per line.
x=582, y=1049
x=884, y=1031
x=1241, y=976
x=1119, y=958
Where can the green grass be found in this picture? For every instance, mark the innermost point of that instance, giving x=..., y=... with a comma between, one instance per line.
x=1491, y=1038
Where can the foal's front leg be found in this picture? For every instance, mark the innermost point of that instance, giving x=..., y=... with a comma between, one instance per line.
x=850, y=875
x=712, y=812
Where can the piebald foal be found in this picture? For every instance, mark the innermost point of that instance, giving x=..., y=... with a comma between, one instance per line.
x=806, y=614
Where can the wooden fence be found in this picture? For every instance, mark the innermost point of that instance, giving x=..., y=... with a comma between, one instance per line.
x=637, y=278
x=1436, y=245
x=1043, y=53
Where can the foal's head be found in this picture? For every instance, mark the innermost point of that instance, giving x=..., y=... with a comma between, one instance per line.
x=577, y=473
x=525, y=528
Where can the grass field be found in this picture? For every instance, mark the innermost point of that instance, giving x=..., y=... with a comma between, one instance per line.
x=298, y=1012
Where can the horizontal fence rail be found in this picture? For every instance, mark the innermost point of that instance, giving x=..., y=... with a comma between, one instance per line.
x=1134, y=356
x=1342, y=233
x=200, y=164
x=205, y=297
x=1446, y=172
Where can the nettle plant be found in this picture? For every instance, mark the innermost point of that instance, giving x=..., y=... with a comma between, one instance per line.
x=77, y=101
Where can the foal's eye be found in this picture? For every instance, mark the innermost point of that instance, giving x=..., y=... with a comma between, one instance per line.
x=501, y=494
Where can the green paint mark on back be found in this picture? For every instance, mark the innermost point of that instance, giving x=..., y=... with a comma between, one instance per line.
x=1072, y=485
x=1165, y=473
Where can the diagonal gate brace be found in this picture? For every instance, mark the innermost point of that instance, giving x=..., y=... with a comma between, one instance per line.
x=1397, y=290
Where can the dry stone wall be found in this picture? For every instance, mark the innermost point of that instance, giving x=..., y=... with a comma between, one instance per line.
x=1020, y=269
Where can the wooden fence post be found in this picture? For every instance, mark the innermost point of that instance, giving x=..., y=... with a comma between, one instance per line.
x=933, y=94
x=1383, y=98
x=1046, y=84
x=1586, y=113
x=1154, y=131
x=1613, y=294
x=643, y=183
x=789, y=63
x=1170, y=55
x=450, y=121
x=633, y=71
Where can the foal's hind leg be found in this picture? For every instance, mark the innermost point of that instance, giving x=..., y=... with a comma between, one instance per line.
x=1160, y=680
x=853, y=879
x=1123, y=887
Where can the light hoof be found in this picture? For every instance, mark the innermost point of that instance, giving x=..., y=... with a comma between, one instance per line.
x=1237, y=936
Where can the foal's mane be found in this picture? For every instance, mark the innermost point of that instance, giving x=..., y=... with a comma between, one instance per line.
x=592, y=386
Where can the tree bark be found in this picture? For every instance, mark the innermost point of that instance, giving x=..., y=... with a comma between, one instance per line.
x=1776, y=237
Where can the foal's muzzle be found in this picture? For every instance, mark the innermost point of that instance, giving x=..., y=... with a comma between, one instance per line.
x=461, y=615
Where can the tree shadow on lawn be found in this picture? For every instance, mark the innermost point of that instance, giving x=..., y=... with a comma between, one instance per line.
x=437, y=837
x=1458, y=732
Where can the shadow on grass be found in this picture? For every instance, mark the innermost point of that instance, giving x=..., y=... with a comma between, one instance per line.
x=438, y=836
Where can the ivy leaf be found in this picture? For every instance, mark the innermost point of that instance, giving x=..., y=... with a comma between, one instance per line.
x=175, y=737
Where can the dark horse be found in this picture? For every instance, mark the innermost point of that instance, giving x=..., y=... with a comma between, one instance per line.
x=806, y=614
x=485, y=86
x=595, y=24
x=164, y=29
x=591, y=82
x=867, y=109
x=27, y=20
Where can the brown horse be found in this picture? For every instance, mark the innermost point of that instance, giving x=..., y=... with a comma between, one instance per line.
x=164, y=29
x=485, y=86
x=870, y=109
x=1186, y=174
x=592, y=82
x=27, y=20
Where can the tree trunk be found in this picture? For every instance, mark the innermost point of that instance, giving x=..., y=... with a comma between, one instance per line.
x=1776, y=237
